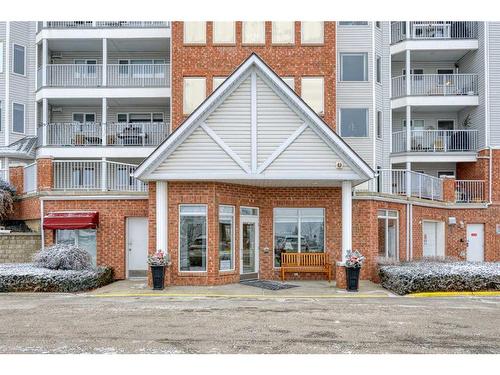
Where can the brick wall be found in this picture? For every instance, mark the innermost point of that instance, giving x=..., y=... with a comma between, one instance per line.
x=16, y=177
x=287, y=61
x=19, y=247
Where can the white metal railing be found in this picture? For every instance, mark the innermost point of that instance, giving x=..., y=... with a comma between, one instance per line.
x=91, y=134
x=433, y=30
x=4, y=174
x=39, y=78
x=30, y=178
x=436, y=85
x=138, y=75
x=459, y=140
x=74, y=75
x=469, y=191
x=88, y=175
x=104, y=24
x=396, y=181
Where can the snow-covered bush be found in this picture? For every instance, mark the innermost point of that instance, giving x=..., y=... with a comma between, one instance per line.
x=63, y=257
x=7, y=193
x=26, y=277
x=437, y=276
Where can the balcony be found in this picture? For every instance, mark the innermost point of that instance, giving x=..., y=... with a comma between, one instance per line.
x=436, y=85
x=102, y=24
x=149, y=134
x=95, y=175
x=433, y=141
x=433, y=30
x=470, y=191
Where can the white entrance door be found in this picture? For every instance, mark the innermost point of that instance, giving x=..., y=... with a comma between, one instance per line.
x=475, y=242
x=433, y=241
x=249, y=247
x=137, y=246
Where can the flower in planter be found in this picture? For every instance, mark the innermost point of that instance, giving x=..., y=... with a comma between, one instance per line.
x=159, y=258
x=354, y=259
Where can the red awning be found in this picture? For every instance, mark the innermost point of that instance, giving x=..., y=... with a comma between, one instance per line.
x=71, y=220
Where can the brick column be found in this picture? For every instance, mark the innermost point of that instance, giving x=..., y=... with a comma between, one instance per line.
x=340, y=276
x=45, y=173
x=449, y=189
x=16, y=175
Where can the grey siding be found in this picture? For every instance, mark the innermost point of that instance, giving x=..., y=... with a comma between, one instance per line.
x=494, y=83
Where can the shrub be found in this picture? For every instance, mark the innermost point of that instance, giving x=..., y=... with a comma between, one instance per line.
x=7, y=193
x=437, y=276
x=63, y=257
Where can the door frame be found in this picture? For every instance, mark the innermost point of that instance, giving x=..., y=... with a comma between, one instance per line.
x=250, y=219
x=127, y=257
x=440, y=229
x=467, y=238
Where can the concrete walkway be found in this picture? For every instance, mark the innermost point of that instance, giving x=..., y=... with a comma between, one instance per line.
x=305, y=289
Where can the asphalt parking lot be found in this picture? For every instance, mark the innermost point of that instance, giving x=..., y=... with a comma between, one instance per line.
x=85, y=323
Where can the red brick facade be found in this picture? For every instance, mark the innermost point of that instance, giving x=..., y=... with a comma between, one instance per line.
x=211, y=60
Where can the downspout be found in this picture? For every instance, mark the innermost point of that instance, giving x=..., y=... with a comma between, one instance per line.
x=490, y=176
x=7, y=86
x=407, y=232
x=487, y=108
x=41, y=224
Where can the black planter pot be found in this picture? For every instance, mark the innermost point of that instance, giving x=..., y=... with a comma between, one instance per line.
x=352, y=278
x=158, y=277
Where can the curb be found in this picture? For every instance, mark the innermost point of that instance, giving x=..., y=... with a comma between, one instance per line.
x=485, y=293
x=257, y=296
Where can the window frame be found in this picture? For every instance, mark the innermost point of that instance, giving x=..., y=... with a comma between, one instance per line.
x=76, y=238
x=299, y=216
x=386, y=217
x=127, y=114
x=412, y=121
x=312, y=43
x=179, y=235
x=378, y=69
x=244, y=43
x=200, y=43
x=365, y=66
x=231, y=43
x=24, y=118
x=378, y=125
x=278, y=43
x=233, y=237
x=204, y=79
x=14, y=57
x=367, y=127
x=322, y=112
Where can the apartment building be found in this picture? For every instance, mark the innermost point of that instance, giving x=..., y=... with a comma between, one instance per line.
x=231, y=143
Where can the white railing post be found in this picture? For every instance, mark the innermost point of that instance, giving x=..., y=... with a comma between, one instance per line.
x=408, y=179
x=45, y=53
x=104, y=122
x=408, y=30
x=104, y=61
x=408, y=129
x=104, y=185
x=45, y=120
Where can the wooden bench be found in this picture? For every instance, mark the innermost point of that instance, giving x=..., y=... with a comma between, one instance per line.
x=305, y=262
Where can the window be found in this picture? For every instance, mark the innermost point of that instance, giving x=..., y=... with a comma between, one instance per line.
x=379, y=69
x=194, y=93
x=254, y=33
x=283, y=32
x=354, y=122
x=298, y=230
x=415, y=124
x=17, y=118
x=377, y=24
x=84, y=238
x=353, y=23
x=354, y=67
x=446, y=173
x=312, y=93
x=217, y=81
x=195, y=32
x=139, y=117
x=82, y=118
x=290, y=81
x=388, y=234
x=226, y=238
x=1, y=57
x=192, y=238
x=446, y=124
x=312, y=33
x=379, y=124
x=19, y=60
x=223, y=33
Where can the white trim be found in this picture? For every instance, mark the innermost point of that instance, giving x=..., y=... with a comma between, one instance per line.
x=7, y=85
x=25, y=62
x=161, y=216
x=179, y=236
x=254, y=120
x=255, y=219
x=281, y=148
x=233, y=237
x=386, y=219
x=92, y=197
x=346, y=218
x=24, y=118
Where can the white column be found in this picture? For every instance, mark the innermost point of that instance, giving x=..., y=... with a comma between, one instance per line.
x=104, y=121
x=407, y=72
x=104, y=61
x=161, y=216
x=408, y=128
x=45, y=57
x=45, y=120
x=346, y=217
x=408, y=179
x=104, y=174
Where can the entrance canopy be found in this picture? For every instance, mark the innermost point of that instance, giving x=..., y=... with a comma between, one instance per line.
x=71, y=220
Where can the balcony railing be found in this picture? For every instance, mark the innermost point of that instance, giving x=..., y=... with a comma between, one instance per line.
x=104, y=24
x=4, y=174
x=460, y=140
x=436, y=85
x=396, y=182
x=118, y=75
x=469, y=191
x=92, y=134
x=433, y=30
x=138, y=75
x=30, y=178
x=96, y=175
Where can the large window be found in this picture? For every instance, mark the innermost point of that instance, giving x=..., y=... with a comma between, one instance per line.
x=283, y=32
x=193, y=238
x=19, y=60
x=84, y=238
x=354, y=122
x=224, y=33
x=18, y=118
x=312, y=93
x=226, y=238
x=194, y=93
x=388, y=234
x=353, y=67
x=254, y=33
x=195, y=32
x=312, y=32
x=298, y=230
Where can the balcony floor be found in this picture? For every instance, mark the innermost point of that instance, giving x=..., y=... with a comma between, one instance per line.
x=432, y=156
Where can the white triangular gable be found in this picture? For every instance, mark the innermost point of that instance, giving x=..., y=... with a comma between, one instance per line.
x=254, y=127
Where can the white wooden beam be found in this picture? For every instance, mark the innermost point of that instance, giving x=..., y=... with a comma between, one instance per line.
x=282, y=148
x=225, y=147
x=254, y=120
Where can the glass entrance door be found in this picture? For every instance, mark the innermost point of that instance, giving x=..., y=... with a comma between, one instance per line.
x=249, y=246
